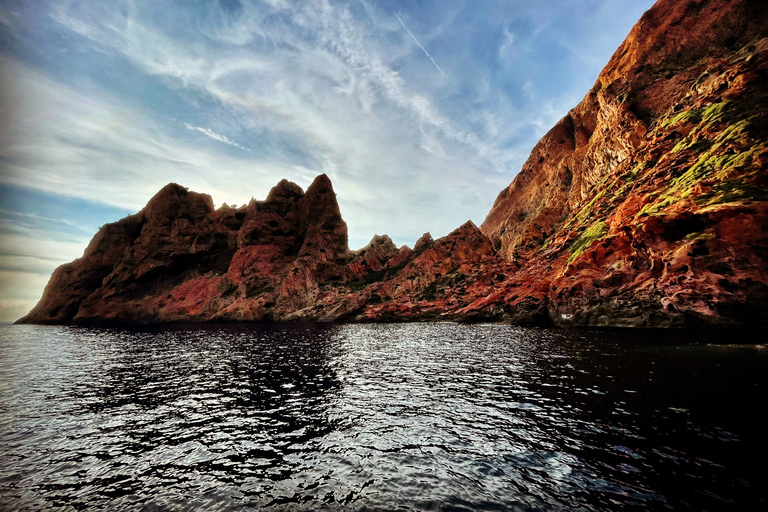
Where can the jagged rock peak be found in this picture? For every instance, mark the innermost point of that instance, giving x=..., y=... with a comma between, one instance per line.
x=379, y=242
x=319, y=205
x=423, y=242
x=284, y=190
x=173, y=201
x=320, y=186
x=380, y=248
x=320, y=218
x=468, y=227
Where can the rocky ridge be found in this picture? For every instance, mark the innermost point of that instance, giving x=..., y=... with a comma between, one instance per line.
x=646, y=205
x=284, y=258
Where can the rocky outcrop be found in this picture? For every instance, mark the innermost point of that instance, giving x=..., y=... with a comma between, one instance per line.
x=180, y=259
x=285, y=258
x=646, y=205
x=628, y=211
x=670, y=57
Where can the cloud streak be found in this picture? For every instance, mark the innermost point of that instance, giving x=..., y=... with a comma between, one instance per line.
x=210, y=133
x=420, y=46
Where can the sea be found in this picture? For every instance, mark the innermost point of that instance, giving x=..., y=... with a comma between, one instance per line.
x=381, y=417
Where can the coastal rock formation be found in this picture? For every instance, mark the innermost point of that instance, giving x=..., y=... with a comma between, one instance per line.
x=285, y=258
x=680, y=53
x=180, y=259
x=646, y=205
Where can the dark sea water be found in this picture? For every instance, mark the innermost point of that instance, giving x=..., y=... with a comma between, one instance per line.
x=381, y=417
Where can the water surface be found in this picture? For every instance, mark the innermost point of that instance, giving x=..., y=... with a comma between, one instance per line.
x=381, y=417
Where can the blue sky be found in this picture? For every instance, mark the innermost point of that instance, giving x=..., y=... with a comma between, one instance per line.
x=419, y=111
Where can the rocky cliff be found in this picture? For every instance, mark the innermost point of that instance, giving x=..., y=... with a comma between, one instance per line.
x=646, y=205
x=284, y=258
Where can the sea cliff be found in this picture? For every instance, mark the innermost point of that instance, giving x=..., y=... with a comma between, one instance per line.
x=646, y=205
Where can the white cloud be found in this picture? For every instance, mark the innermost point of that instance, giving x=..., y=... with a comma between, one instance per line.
x=35, y=217
x=39, y=255
x=329, y=90
x=506, y=45
x=93, y=147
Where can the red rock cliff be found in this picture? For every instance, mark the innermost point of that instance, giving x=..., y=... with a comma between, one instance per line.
x=634, y=209
x=646, y=205
x=285, y=258
x=669, y=57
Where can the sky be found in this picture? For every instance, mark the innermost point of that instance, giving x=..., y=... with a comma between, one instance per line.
x=420, y=112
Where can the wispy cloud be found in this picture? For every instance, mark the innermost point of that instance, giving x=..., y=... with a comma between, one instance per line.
x=210, y=133
x=506, y=44
x=323, y=88
x=420, y=46
x=92, y=146
x=319, y=90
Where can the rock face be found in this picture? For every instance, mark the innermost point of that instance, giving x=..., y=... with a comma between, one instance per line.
x=285, y=258
x=646, y=205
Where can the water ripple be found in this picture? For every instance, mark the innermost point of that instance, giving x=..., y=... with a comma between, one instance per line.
x=378, y=417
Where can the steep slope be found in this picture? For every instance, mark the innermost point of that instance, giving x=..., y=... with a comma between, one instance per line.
x=675, y=52
x=646, y=204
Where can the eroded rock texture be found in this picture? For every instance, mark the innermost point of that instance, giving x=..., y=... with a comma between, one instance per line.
x=285, y=258
x=645, y=206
